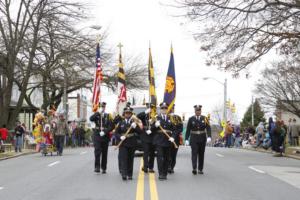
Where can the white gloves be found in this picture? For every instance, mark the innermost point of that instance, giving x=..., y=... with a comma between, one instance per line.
x=157, y=124
x=123, y=137
x=133, y=125
x=208, y=140
x=148, y=132
x=147, y=111
x=102, y=133
x=187, y=143
x=171, y=139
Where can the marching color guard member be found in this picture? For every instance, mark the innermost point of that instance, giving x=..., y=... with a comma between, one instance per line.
x=163, y=138
x=147, y=140
x=178, y=128
x=104, y=126
x=128, y=130
x=197, y=128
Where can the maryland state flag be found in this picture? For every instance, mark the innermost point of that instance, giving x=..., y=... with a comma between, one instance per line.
x=170, y=88
x=97, y=80
x=152, y=93
x=122, y=98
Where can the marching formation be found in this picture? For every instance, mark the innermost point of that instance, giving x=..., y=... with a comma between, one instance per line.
x=159, y=135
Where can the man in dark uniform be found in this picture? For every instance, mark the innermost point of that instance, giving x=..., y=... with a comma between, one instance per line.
x=147, y=140
x=104, y=126
x=178, y=127
x=129, y=142
x=161, y=141
x=197, y=127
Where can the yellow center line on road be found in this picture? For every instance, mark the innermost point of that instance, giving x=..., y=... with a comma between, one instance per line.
x=153, y=189
x=140, y=183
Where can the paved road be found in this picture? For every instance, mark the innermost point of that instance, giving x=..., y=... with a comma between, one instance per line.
x=229, y=174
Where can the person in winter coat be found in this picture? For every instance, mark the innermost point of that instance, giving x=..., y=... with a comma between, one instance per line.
x=60, y=131
x=294, y=131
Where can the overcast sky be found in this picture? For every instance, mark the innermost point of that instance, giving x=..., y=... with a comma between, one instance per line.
x=136, y=22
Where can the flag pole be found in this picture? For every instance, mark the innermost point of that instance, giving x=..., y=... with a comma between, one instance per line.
x=149, y=102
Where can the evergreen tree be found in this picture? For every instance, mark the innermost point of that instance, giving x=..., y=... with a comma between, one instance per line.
x=258, y=115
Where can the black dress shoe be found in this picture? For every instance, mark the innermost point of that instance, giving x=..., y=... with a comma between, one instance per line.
x=97, y=170
x=200, y=172
x=194, y=172
x=124, y=178
x=151, y=171
x=161, y=178
x=103, y=171
x=129, y=177
x=170, y=171
x=145, y=170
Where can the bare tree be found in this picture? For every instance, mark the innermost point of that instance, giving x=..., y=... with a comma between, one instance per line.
x=280, y=86
x=34, y=40
x=236, y=33
x=13, y=28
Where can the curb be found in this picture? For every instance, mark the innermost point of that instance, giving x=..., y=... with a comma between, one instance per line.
x=269, y=152
x=18, y=155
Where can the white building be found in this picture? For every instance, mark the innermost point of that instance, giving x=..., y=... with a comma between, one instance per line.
x=285, y=116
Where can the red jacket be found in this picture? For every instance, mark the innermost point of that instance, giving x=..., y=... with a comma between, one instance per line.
x=48, y=138
x=3, y=133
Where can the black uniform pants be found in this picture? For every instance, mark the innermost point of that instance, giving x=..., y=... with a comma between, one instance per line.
x=126, y=160
x=163, y=154
x=148, y=156
x=119, y=161
x=198, y=149
x=173, y=155
x=101, y=149
x=59, y=143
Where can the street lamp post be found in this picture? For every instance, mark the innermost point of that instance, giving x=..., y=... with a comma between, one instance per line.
x=225, y=95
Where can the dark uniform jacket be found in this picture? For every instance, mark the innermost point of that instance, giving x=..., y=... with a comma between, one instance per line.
x=196, y=129
x=131, y=139
x=178, y=127
x=146, y=125
x=102, y=120
x=159, y=138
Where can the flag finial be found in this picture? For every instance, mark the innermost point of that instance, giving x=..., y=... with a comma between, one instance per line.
x=98, y=38
x=120, y=47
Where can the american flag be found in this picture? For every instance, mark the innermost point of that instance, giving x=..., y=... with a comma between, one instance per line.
x=97, y=80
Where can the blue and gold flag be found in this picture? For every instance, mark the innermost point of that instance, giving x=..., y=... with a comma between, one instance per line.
x=170, y=88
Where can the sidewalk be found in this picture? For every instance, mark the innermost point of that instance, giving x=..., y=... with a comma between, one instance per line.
x=291, y=152
x=12, y=154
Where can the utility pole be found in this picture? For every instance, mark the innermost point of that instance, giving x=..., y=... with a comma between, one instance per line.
x=252, y=112
x=225, y=100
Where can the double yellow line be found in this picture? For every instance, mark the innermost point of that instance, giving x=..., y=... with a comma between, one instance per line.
x=141, y=185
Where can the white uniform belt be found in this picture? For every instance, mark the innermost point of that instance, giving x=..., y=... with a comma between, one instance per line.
x=198, y=132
